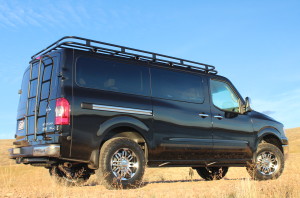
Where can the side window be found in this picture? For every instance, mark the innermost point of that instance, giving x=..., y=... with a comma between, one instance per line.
x=112, y=76
x=180, y=86
x=223, y=96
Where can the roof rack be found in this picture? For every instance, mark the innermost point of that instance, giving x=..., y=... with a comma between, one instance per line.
x=75, y=42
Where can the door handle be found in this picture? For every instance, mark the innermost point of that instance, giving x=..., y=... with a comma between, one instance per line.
x=218, y=117
x=203, y=115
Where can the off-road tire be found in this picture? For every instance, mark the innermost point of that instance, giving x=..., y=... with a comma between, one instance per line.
x=105, y=173
x=61, y=178
x=212, y=173
x=252, y=167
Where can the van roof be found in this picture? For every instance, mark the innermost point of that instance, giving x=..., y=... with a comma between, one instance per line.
x=84, y=44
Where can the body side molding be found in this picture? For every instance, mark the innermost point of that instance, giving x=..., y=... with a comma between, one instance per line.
x=116, y=109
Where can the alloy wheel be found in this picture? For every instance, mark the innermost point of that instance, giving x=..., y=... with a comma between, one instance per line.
x=124, y=164
x=267, y=163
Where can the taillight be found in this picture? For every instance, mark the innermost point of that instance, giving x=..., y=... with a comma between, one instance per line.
x=62, y=112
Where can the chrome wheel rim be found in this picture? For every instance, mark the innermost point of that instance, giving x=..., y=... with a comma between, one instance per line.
x=124, y=164
x=267, y=163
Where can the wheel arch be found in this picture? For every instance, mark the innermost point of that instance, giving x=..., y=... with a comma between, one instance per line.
x=270, y=135
x=122, y=126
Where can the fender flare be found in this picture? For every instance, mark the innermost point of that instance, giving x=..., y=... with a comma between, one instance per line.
x=268, y=131
x=120, y=121
x=113, y=123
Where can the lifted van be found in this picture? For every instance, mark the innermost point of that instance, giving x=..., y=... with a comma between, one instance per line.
x=92, y=107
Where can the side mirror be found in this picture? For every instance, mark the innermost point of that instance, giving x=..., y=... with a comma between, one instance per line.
x=247, y=105
x=20, y=91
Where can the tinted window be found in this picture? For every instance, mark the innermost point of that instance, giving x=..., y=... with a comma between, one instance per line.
x=45, y=90
x=24, y=88
x=177, y=85
x=35, y=70
x=47, y=73
x=112, y=76
x=223, y=96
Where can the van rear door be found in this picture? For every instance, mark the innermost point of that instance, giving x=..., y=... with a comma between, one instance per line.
x=36, y=110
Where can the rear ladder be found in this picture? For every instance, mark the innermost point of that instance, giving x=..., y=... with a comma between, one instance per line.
x=41, y=69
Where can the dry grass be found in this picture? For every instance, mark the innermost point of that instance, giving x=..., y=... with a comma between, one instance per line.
x=294, y=139
x=27, y=181
x=4, y=146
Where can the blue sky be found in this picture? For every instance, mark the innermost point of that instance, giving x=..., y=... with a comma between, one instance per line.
x=256, y=44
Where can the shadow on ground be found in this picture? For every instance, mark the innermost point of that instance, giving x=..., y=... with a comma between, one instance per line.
x=172, y=181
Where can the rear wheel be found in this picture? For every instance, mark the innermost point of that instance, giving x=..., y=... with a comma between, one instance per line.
x=69, y=176
x=212, y=173
x=121, y=164
x=268, y=164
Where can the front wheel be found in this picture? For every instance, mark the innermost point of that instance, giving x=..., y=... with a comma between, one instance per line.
x=212, y=173
x=268, y=164
x=122, y=163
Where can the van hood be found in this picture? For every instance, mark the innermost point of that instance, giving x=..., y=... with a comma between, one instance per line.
x=261, y=116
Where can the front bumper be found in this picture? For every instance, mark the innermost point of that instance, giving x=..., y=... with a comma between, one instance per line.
x=285, y=147
x=50, y=150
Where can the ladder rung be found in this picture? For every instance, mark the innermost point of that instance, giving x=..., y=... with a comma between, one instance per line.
x=46, y=81
x=33, y=79
x=50, y=64
x=42, y=100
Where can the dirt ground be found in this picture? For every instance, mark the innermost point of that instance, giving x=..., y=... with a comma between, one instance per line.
x=28, y=181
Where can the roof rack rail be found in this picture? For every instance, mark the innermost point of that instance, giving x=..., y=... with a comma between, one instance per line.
x=75, y=42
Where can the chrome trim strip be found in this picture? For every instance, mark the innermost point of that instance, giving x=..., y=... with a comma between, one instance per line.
x=218, y=117
x=121, y=109
x=203, y=115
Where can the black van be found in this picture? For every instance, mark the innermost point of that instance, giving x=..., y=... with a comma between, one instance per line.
x=92, y=107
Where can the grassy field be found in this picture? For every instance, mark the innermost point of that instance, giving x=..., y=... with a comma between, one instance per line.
x=27, y=181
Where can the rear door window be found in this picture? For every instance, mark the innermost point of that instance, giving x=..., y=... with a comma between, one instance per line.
x=112, y=76
x=24, y=88
x=181, y=86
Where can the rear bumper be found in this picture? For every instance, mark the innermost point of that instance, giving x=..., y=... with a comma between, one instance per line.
x=50, y=150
